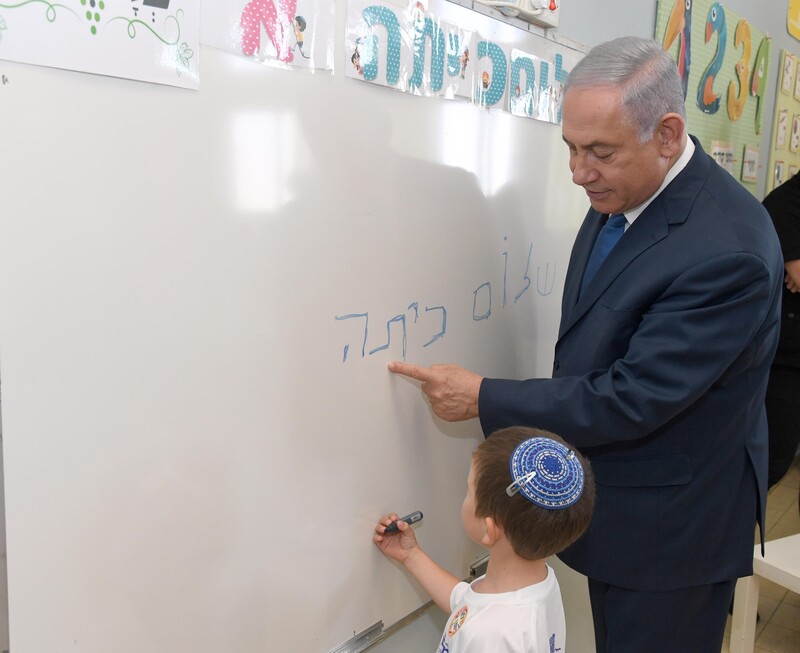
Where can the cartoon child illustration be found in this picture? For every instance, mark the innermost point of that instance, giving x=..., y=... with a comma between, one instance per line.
x=418, y=16
x=482, y=90
x=516, y=106
x=299, y=25
x=355, y=59
x=464, y=61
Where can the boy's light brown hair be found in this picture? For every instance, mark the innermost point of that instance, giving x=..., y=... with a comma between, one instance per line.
x=534, y=532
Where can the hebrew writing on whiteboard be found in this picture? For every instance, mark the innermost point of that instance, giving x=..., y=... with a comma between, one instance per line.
x=388, y=45
x=149, y=40
x=296, y=34
x=432, y=319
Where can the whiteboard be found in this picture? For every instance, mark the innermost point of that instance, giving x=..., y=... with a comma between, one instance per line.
x=198, y=436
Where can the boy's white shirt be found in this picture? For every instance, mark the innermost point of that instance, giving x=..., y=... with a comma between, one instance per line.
x=528, y=620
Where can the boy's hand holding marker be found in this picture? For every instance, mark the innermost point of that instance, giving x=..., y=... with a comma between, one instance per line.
x=395, y=537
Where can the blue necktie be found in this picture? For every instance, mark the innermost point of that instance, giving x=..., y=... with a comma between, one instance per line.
x=609, y=235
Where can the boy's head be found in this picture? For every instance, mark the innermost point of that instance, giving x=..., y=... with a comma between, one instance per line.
x=536, y=521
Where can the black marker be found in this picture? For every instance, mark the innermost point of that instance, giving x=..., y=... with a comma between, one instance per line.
x=413, y=518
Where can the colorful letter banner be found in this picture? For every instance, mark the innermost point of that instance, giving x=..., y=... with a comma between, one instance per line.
x=414, y=51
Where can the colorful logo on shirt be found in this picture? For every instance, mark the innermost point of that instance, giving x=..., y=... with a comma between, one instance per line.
x=458, y=620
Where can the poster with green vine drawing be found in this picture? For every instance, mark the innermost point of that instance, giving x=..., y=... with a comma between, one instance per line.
x=150, y=40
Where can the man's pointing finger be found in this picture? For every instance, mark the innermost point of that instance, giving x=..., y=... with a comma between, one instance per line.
x=412, y=371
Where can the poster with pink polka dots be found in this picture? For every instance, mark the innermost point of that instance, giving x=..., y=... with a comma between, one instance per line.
x=295, y=34
x=149, y=40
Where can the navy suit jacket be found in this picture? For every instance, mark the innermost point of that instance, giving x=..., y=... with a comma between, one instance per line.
x=659, y=377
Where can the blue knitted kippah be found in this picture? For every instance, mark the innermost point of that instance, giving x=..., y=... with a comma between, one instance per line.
x=546, y=473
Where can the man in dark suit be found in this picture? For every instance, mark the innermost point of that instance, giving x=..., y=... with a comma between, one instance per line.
x=661, y=363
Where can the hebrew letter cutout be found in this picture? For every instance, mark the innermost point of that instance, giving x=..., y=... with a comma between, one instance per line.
x=277, y=22
x=366, y=331
x=544, y=76
x=372, y=16
x=490, y=94
x=521, y=102
x=444, y=323
x=561, y=78
x=453, y=55
x=437, y=55
x=561, y=72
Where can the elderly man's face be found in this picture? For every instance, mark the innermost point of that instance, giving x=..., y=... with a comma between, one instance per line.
x=617, y=172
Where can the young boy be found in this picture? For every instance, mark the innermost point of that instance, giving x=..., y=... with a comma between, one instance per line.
x=529, y=495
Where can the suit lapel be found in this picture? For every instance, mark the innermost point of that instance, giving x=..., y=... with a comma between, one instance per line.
x=648, y=229
x=672, y=206
x=584, y=242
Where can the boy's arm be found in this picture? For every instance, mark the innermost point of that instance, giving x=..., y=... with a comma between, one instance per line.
x=402, y=546
x=437, y=581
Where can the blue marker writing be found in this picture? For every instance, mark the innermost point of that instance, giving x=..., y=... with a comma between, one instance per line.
x=413, y=518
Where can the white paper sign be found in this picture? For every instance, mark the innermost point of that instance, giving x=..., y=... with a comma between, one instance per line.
x=149, y=40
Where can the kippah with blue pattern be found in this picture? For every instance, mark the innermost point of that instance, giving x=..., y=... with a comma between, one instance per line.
x=546, y=473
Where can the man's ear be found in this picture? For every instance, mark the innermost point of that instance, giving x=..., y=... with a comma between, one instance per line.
x=669, y=134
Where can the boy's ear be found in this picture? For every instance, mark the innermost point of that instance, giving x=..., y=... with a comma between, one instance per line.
x=492, y=532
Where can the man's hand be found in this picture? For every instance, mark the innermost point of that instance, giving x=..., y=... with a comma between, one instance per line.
x=792, y=278
x=451, y=389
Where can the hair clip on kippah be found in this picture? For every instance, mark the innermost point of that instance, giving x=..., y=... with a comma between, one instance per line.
x=546, y=473
x=515, y=486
